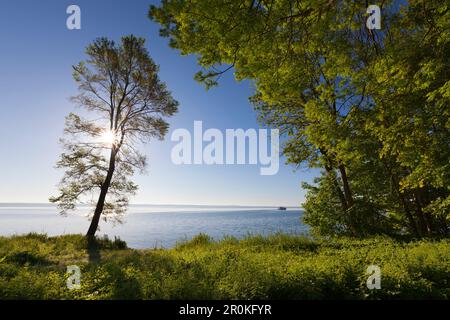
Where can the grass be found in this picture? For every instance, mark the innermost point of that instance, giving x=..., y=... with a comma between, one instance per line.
x=34, y=266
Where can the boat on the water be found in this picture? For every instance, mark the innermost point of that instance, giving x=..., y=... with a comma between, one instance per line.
x=281, y=208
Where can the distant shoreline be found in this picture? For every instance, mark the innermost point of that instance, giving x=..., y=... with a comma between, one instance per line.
x=46, y=205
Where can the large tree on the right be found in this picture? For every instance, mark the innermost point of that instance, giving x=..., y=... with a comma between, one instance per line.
x=369, y=107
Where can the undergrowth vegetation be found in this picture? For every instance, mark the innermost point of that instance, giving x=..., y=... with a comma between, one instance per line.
x=281, y=266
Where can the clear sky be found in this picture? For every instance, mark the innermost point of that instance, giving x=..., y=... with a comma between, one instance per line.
x=36, y=55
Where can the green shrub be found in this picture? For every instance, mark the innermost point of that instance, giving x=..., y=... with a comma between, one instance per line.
x=274, y=267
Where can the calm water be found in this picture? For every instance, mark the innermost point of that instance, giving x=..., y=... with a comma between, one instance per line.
x=155, y=226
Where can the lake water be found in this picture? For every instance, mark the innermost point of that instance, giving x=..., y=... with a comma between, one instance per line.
x=155, y=226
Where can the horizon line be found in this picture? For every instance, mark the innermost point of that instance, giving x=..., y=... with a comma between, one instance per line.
x=159, y=204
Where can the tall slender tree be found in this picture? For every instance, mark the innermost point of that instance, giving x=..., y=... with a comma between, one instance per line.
x=125, y=104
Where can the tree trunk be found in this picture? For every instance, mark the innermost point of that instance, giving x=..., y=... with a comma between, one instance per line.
x=413, y=225
x=345, y=183
x=345, y=204
x=102, y=197
x=424, y=200
x=338, y=189
x=331, y=173
x=425, y=224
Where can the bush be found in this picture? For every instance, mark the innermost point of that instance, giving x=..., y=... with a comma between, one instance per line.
x=275, y=267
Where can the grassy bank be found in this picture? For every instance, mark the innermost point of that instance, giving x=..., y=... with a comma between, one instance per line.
x=277, y=267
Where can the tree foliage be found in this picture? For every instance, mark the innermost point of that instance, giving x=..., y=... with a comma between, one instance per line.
x=126, y=102
x=369, y=107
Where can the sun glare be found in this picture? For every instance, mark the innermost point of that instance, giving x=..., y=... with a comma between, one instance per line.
x=108, y=137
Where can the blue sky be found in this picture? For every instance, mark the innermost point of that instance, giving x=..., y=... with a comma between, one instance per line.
x=35, y=79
